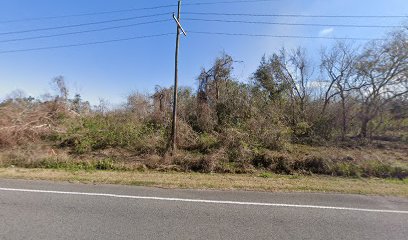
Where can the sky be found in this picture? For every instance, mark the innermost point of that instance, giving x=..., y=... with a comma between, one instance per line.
x=111, y=71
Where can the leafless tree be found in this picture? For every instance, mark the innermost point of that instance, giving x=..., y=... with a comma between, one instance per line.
x=383, y=70
x=61, y=86
x=138, y=104
x=338, y=65
x=299, y=72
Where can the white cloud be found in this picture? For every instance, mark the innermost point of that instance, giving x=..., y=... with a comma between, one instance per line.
x=325, y=32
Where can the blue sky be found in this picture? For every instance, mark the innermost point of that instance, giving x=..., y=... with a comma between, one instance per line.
x=111, y=71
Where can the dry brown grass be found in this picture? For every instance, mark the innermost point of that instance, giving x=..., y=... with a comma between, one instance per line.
x=251, y=182
x=386, y=152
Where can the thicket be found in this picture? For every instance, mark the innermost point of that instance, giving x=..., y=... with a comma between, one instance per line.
x=354, y=98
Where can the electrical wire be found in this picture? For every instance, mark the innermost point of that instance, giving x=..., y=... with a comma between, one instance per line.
x=87, y=14
x=192, y=32
x=85, y=44
x=292, y=24
x=228, y=2
x=81, y=32
x=282, y=36
x=128, y=10
x=83, y=24
x=293, y=15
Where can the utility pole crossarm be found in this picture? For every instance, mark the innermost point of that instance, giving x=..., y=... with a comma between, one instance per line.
x=179, y=24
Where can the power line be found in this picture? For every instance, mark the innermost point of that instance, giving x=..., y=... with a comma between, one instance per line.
x=87, y=14
x=283, y=36
x=128, y=10
x=83, y=24
x=85, y=44
x=193, y=32
x=292, y=24
x=294, y=15
x=80, y=32
x=228, y=2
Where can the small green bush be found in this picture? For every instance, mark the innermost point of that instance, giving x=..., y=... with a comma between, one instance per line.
x=207, y=141
x=266, y=175
x=302, y=130
x=347, y=170
x=115, y=131
x=106, y=164
x=384, y=170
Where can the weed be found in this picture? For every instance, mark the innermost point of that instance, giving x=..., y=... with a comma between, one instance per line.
x=106, y=164
x=265, y=175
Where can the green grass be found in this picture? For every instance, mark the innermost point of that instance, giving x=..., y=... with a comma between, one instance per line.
x=251, y=182
x=266, y=175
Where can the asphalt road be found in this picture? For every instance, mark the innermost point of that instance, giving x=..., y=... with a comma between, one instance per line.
x=46, y=210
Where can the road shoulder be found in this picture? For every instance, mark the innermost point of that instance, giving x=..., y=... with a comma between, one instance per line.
x=247, y=182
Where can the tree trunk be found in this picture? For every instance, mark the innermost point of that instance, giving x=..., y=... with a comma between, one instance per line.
x=364, y=127
x=344, y=118
x=326, y=103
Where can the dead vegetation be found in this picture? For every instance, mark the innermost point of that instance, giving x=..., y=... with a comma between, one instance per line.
x=276, y=123
x=24, y=122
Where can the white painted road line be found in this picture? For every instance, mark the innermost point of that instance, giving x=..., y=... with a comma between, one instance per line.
x=203, y=201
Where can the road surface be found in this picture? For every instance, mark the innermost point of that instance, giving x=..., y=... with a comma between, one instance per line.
x=46, y=210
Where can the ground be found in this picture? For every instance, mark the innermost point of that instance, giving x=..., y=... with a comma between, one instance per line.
x=252, y=182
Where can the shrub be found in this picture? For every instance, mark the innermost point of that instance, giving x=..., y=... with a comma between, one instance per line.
x=106, y=164
x=187, y=161
x=187, y=138
x=275, y=162
x=312, y=164
x=238, y=150
x=281, y=165
x=206, y=164
x=346, y=170
x=262, y=160
x=266, y=130
x=206, y=142
x=384, y=170
x=116, y=130
x=302, y=130
x=322, y=127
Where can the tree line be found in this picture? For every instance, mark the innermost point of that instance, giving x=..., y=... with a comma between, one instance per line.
x=355, y=91
x=293, y=116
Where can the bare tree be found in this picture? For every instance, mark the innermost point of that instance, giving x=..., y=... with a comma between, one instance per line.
x=17, y=94
x=383, y=69
x=300, y=73
x=138, y=104
x=61, y=87
x=103, y=106
x=339, y=66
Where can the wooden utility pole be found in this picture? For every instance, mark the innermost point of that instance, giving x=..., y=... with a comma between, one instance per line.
x=175, y=95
